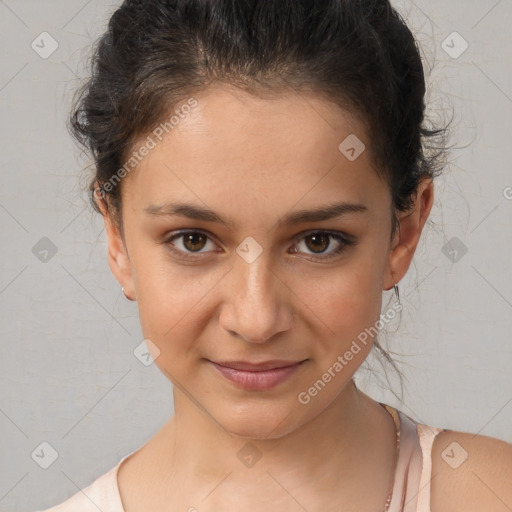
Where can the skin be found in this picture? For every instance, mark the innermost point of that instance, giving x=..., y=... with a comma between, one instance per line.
x=253, y=161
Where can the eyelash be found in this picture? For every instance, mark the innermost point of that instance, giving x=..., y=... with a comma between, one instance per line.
x=344, y=243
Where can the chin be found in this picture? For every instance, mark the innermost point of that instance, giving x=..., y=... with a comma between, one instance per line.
x=260, y=421
x=255, y=430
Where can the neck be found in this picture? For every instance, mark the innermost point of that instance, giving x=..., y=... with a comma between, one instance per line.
x=351, y=427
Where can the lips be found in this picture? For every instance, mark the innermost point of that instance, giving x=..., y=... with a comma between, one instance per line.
x=256, y=367
x=257, y=376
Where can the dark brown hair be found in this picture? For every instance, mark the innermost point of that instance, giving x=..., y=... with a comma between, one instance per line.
x=360, y=54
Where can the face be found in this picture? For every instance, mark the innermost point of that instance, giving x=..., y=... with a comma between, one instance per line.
x=265, y=283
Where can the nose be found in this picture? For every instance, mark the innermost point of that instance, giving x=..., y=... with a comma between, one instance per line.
x=256, y=306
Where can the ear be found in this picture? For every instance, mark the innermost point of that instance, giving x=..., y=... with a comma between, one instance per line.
x=408, y=234
x=118, y=258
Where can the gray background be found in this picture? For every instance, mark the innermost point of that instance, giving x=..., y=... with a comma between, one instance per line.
x=69, y=376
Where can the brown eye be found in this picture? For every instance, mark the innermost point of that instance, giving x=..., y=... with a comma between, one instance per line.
x=319, y=242
x=189, y=243
x=194, y=241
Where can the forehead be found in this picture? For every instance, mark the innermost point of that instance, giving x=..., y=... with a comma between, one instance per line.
x=265, y=154
x=237, y=119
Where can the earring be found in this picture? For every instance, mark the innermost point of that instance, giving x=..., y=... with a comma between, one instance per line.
x=397, y=293
x=129, y=298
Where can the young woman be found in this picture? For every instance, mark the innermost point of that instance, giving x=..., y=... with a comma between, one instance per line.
x=261, y=168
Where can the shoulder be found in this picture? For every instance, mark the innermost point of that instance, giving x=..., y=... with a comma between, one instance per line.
x=470, y=472
x=102, y=494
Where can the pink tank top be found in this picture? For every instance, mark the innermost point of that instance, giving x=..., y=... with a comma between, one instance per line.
x=411, y=491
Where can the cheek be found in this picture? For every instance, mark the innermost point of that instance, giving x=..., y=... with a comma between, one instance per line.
x=345, y=301
x=171, y=298
x=347, y=308
x=166, y=305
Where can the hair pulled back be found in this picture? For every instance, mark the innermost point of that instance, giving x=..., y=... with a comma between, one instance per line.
x=359, y=54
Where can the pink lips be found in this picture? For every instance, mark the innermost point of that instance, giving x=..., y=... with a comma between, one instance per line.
x=257, y=377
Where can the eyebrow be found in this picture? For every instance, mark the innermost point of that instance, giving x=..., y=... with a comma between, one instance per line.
x=194, y=212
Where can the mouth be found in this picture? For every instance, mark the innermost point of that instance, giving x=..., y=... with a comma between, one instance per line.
x=257, y=376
